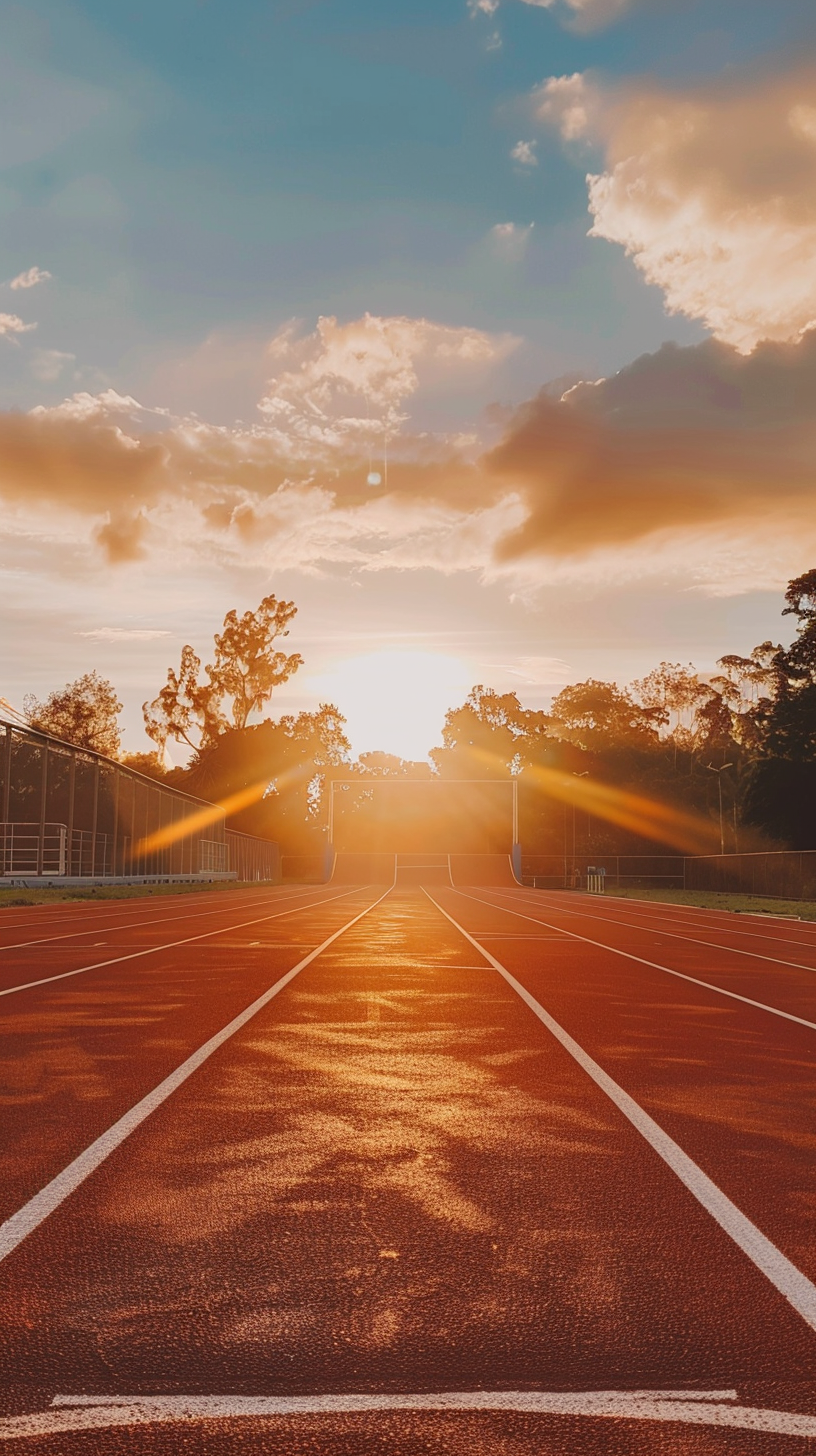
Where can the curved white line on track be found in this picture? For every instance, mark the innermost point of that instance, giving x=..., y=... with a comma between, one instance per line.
x=795, y=1286
x=683, y=1408
x=171, y=944
x=31, y=1215
x=641, y=960
x=144, y=923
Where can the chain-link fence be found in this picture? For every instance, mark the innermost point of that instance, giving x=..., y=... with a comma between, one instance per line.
x=787, y=874
x=630, y=871
x=70, y=813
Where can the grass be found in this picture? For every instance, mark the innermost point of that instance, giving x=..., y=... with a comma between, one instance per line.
x=720, y=900
x=12, y=897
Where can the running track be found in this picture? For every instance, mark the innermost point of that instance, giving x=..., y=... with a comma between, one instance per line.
x=355, y=1170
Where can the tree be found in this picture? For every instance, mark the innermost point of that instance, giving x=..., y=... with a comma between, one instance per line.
x=286, y=766
x=246, y=669
x=489, y=736
x=149, y=764
x=84, y=712
x=599, y=716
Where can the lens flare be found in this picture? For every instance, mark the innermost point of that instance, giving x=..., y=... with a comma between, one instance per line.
x=201, y=819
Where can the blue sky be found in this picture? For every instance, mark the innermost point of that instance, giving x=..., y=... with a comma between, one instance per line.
x=195, y=178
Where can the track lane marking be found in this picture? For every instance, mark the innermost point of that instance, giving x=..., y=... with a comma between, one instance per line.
x=128, y=925
x=791, y=1283
x=113, y=906
x=612, y=901
x=677, y=935
x=31, y=1215
x=685, y=1408
x=641, y=960
x=171, y=944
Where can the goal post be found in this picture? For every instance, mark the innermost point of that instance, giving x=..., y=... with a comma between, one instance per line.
x=439, y=816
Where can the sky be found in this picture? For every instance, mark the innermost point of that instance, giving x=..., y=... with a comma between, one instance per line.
x=481, y=329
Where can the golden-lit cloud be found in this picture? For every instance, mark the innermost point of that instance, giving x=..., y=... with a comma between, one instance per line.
x=685, y=438
x=697, y=455
x=710, y=189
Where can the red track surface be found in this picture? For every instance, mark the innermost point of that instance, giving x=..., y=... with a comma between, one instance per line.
x=393, y=1180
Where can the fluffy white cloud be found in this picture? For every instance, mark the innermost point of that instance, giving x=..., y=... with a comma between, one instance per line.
x=712, y=192
x=343, y=387
x=30, y=278
x=11, y=325
x=525, y=154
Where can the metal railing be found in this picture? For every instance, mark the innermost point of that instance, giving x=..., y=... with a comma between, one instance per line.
x=33, y=849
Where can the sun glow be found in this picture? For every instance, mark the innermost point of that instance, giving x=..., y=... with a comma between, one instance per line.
x=396, y=699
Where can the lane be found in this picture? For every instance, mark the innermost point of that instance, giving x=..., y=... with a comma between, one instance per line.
x=735, y=1087
x=78, y=1054
x=175, y=911
x=61, y=962
x=395, y=1180
x=92, y=915
x=55, y=912
x=785, y=986
x=790, y=937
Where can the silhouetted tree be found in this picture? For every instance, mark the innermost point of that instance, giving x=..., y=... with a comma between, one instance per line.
x=84, y=712
x=246, y=669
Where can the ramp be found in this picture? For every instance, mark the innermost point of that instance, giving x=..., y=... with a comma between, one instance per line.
x=362, y=869
x=422, y=869
x=486, y=870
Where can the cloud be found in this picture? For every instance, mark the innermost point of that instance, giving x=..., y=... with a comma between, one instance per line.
x=509, y=240
x=583, y=15
x=681, y=440
x=525, y=154
x=711, y=190
x=126, y=634
x=344, y=386
x=30, y=278
x=11, y=325
x=700, y=456
x=48, y=364
x=588, y=14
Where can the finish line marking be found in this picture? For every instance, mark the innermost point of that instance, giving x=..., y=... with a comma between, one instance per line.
x=686, y=1407
x=791, y=1283
x=32, y=1214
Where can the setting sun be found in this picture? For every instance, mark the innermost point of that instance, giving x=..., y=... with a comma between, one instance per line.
x=395, y=700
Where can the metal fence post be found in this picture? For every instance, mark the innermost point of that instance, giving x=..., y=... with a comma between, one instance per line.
x=43, y=793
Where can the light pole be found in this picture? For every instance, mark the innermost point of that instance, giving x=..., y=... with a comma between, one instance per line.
x=583, y=775
x=718, y=772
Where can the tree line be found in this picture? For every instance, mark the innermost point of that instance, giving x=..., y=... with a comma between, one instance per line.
x=737, y=747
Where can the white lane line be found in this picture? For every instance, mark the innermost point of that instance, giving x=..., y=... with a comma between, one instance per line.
x=628, y=955
x=613, y=902
x=676, y=935
x=790, y=1281
x=27, y=1218
x=684, y=1408
x=171, y=944
x=144, y=923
